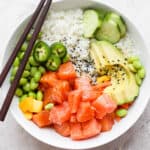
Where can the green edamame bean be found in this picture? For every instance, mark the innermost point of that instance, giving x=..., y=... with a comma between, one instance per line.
x=11, y=79
x=32, y=80
x=37, y=76
x=33, y=85
x=49, y=106
x=40, y=35
x=32, y=94
x=21, y=55
x=32, y=61
x=121, y=112
x=33, y=70
x=141, y=73
x=137, y=64
x=18, y=92
x=29, y=37
x=26, y=87
x=16, y=62
x=23, y=97
x=25, y=74
x=24, y=46
x=39, y=95
x=133, y=58
x=138, y=80
x=42, y=69
x=23, y=81
x=14, y=71
x=27, y=66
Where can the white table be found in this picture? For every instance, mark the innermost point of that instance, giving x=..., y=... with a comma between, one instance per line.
x=12, y=136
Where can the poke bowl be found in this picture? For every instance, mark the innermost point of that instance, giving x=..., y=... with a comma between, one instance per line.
x=86, y=82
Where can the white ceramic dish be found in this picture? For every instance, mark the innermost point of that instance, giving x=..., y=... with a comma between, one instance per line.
x=49, y=136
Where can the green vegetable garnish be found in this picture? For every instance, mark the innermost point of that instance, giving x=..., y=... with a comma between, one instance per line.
x=53, y=63
x=41, y=52
x=58, y=49
x=121, y=112
x=49, y=106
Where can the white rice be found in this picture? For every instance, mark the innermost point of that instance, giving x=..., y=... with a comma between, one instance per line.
x=127, y=45
x=67, y=27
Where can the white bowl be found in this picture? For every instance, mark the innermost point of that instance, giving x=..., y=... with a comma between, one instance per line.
x=49, y=136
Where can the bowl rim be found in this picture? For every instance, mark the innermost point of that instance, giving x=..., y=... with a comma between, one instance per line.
x=90, y=146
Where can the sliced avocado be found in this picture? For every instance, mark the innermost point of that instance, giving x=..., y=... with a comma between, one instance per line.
x=116, y=93
x=111, y=53
x=133, y=88
x=97, y=55
x=117, y=90
x=124, y=88
x=96, y=60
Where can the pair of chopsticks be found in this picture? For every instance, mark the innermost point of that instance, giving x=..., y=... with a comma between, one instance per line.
x=41, y=12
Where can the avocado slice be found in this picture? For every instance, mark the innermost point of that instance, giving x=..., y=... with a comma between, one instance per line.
x=112, y=53
x=133, y=88
x=124, y=88
x=117, y=90
x=98, y=55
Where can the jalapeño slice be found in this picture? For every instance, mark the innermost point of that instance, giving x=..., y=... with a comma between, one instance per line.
x=53, y=63
x=58, y=49
x=66, y=58
x=41, y=52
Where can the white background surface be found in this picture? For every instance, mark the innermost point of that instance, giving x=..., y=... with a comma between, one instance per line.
x=12, y=136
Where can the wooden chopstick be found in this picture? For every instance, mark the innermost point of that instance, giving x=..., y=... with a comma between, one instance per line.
x=20, y=42
x=19, y=73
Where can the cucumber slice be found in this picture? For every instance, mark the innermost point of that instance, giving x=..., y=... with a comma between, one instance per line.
x=91, y=22
x=109, y=31
x=119, y=21
x=101, y=13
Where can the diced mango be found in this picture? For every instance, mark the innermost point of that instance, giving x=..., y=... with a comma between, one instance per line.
x=28, y=115
x=26, y=104
x=37, y=106
x=103, y=79
x=30, y=105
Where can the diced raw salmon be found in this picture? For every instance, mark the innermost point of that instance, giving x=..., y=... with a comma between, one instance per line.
x=60, y=113
x=104, y=104
x=49, y=79
x=66, y=71
x=107, y=123
x=74, y=99
x=64, y=129
x=91, y=128
x=42, y=119
x=85, y=112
